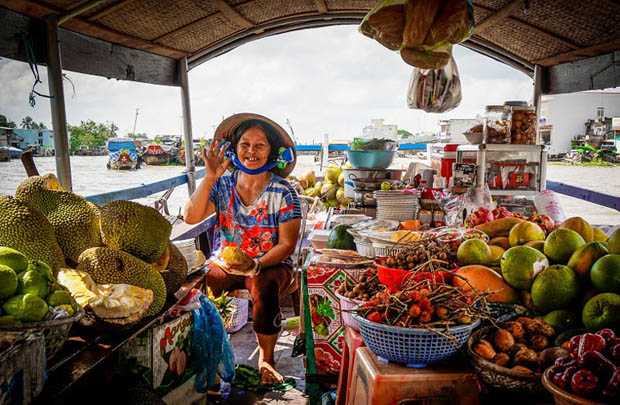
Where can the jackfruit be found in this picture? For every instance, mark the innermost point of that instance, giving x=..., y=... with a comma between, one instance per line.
x=135, y=229
x=110, y=266
x=175, y=274
x=74, y=220
x=161, y=264
x=119, y=304
x=27, y=230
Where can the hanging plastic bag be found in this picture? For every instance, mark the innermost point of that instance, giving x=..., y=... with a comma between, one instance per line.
x=478, y=197
x=211, y=346
x=436, y=90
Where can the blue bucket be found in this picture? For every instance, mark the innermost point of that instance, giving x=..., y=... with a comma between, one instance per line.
x=371, y=159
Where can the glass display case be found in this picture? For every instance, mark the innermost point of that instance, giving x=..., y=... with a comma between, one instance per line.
x=508, y=169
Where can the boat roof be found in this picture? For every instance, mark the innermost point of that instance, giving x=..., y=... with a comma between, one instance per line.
x=114, y=140
x=154, y=35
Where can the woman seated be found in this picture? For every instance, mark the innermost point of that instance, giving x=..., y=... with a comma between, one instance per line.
x=257, y=211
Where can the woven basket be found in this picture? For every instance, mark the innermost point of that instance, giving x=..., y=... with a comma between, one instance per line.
x=54, y=332
x=239, y=316
x=562, y=397
x=498, y=376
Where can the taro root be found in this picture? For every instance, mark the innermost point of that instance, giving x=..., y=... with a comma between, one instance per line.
x=501, y=359
x=539, y=327
x=526, y=357
x=484, y=349
x=539, y=342
x=514, y=349
x=503, y=340
x=515, y=329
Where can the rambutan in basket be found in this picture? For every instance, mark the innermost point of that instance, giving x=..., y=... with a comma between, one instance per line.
x=416, y=347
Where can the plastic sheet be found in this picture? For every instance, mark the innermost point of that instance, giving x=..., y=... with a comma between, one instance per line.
x=435, y=91
x=211, y=346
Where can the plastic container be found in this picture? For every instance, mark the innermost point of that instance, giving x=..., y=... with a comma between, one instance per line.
x=523, y=128
x=345, y=305
x=319, y=237
x=391, y=277
x=387, y=249
x=239, y=315
x=497, y=122
x=371, y=159
x=415, y=347
x=548, y=203
x=364, y=248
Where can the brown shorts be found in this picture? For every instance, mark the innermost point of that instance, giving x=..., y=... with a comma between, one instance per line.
x=265, y=290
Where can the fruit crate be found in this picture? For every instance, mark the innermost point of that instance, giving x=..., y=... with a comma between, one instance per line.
x=239, y=316
x=22, y=375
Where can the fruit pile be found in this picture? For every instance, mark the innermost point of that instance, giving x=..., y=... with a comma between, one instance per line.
x=524, y=344
x=367, y=288
x=423, y=255
x=29, y=292
x=330, y=191
x=592, y=368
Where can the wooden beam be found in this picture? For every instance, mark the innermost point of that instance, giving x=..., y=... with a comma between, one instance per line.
x=498, y=16
x=536, y=29
x=107, y=10
x=232, y=14
x=582, y=53
x=74, y=12
x=321, y=6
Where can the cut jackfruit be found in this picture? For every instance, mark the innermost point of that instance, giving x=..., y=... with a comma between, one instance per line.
x=75, y=222
x=161, y=264
x=135, y=229
x=175, y=274
x=116, y=303
x=27, y=230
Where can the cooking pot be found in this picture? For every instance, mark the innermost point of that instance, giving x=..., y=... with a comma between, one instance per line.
x=366, y=174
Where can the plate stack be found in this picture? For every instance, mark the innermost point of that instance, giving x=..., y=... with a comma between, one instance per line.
x=188, y=250
x=397, y=205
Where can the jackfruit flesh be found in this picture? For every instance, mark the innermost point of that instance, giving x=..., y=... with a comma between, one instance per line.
x=75, y=222
x=161, y=264
x=111, y=266
x=107, y=301
x=27, y=230
x=233, y=255
x=175, y=274
x=135, y=229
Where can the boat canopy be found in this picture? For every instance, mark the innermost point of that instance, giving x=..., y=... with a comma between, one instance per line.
x=116, y=144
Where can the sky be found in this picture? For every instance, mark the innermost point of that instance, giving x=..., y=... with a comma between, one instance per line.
x=328, y=80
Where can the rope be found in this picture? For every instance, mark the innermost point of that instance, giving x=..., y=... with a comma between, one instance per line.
x=32, y=62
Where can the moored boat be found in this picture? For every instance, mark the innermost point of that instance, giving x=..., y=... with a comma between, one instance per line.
x=122, y=153
x=156, y=155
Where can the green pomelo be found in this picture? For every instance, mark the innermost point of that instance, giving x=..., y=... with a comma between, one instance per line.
x=602, y=311
x=555, y=288
x=562, y=320
x=599, y=235
x=561, y=244
x=521, y=264
x=537, y=244
x=59, y=298
x=605, y=274
x=14, y=305
x=524, y=232
x=580, y=226
x=8, y=282
x=474, y=251
x=14, y=259
x=42, y=268
x=32, y=282
x=496, y=255
x=584, y=258
x=34, y=309
x=613, y=242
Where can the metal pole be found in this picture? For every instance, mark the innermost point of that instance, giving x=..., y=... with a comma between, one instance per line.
x=57, y=103
x=537, y=96
x=135, y=121
x=325, y=156
x=187, y=127
x=77, y=11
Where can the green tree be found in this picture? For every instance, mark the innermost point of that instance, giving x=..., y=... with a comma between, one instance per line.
x=41, y=126
x=405, y=134
x=5, y=122
x=28, y=123
x=91, y=134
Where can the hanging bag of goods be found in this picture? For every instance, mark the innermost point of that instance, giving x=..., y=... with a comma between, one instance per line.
x=422, y=30
x=435, y=90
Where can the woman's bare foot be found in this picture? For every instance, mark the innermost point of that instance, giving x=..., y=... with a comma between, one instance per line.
x=268, y=373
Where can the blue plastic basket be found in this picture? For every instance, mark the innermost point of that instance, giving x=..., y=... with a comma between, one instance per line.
x=414, y=347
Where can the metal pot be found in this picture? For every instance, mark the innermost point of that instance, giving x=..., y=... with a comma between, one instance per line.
x=366, y=174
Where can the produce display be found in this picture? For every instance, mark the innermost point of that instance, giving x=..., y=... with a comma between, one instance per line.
x=424, y=255
x=330, y=191
x=367, y=288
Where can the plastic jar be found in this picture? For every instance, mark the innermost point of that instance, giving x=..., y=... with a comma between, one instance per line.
x=497, y=120
x=524, y=125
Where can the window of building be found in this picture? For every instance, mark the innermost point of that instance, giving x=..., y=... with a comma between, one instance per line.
x=600, y=112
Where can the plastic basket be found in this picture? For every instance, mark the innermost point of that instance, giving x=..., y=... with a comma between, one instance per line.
x=388, y=249
x=414, y=347
x=364, y=248
x=347, y=304
x=239, y=315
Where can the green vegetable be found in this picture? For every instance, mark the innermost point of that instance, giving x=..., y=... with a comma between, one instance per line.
x=373, y=144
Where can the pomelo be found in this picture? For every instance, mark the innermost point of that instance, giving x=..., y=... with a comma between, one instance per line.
x=584, y=258
x=524, y=232
x=561, y=244
x=555, y=288
x=562, y=319
x=580, y=226
x=496, y=255
x=484, y=279
x=613, y=242
x=521, y=264
x=501, y=241
x=473, y=251
x=14, y=259
x=602, y=311
x=537, y=244
x=599, y=235
x=605, y=274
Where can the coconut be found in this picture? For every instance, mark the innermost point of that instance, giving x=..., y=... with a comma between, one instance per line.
x=309, y=177
x=328, y=191
x=332, y=173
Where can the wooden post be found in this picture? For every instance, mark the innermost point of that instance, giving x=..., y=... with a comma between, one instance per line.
x=57, y=103
x=187, y=126
x=537, y=96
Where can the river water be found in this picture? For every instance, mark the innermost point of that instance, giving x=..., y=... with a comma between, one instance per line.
x=90, y=176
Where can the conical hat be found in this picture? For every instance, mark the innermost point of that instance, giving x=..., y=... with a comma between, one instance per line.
x=227, y=128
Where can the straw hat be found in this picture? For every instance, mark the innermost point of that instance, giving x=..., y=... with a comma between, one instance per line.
x=228, y=127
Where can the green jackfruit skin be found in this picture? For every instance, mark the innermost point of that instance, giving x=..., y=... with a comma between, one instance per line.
x=111, y=266
x=135, y=229
x=27, y=230
x=75, y=222
x=175, y=274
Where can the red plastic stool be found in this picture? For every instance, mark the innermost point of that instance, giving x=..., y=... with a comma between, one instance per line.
x=378, y=383
x=352, y=341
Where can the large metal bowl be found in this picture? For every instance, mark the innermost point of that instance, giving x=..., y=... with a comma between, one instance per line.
x=371, y=159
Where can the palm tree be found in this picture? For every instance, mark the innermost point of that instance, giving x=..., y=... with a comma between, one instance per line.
x=28, y=123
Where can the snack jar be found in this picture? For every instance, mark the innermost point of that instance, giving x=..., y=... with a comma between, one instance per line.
x=523, y=128
x=497, y=120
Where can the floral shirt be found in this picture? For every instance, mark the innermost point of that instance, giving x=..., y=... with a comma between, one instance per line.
x=254, y=228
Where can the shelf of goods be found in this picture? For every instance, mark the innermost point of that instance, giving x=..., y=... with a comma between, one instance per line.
x=508, y=169
x=87, y=349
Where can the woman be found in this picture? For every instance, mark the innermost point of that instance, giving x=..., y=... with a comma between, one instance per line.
x=257, y=211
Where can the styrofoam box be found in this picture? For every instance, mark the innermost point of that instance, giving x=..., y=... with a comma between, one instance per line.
x=319, y=237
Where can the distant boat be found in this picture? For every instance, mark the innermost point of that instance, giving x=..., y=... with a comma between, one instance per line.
x=5, y=154
x=122, y=154
x=156, y=155
x=15, y=152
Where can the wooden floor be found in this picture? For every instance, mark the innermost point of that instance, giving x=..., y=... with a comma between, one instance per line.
x=246, y=352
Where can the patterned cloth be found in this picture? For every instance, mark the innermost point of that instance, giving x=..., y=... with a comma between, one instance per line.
x=254, y=228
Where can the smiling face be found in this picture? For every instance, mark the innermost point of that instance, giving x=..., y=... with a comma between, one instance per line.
x=253, y=148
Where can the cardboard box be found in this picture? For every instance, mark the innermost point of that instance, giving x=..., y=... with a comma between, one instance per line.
x=163, y=354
